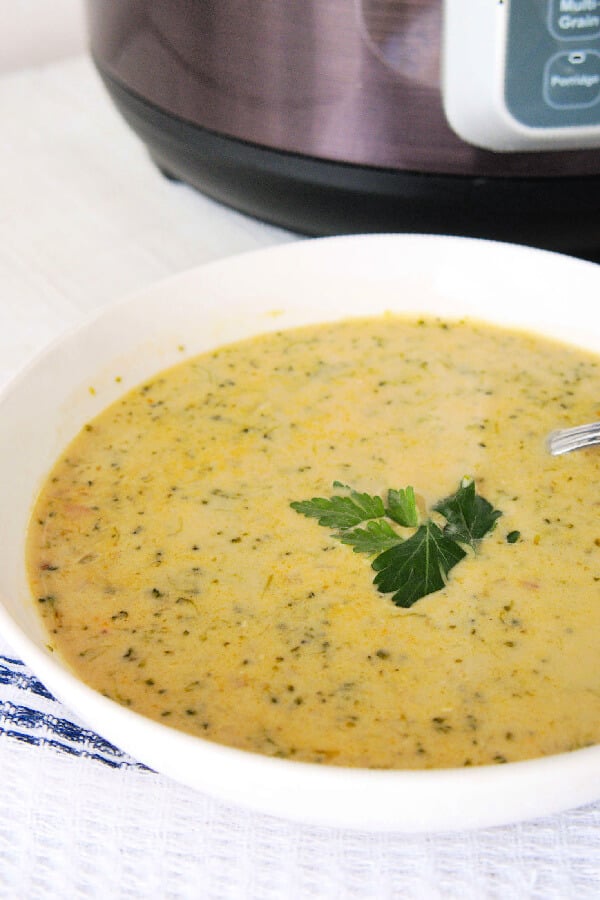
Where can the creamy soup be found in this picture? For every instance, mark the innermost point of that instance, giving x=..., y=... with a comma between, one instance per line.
x=175, y=578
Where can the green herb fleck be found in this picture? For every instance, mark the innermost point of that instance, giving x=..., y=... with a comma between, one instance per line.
x=513, y=536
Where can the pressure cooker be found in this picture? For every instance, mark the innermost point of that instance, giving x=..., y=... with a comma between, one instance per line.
x=473, y=117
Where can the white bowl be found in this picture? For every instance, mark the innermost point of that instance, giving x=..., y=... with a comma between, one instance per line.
x=307, y=281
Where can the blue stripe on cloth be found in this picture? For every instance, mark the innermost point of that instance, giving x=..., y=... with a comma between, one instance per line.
x=66, y=748
x=22, y=679
x=30, y=714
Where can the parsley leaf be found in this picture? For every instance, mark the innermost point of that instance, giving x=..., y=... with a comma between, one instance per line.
x=402, y=507
x=374, y=538
x=418, y=566
x=470, y=517
x=407, y=569
x=341, y=512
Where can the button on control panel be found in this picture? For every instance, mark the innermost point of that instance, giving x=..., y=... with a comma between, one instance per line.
x=572, y=80
x=523, y=74
x=574, y=20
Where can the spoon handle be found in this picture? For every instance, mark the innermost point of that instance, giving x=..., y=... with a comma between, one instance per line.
x=566, y=439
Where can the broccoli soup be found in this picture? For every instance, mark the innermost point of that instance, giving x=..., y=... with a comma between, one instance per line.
x=343, y=543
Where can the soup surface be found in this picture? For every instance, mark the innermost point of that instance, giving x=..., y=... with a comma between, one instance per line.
x=174, y=576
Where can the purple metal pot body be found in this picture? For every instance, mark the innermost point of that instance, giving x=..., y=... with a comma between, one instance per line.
x=338, y=80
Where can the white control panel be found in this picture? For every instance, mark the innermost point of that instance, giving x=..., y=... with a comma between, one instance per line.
x=522, y=75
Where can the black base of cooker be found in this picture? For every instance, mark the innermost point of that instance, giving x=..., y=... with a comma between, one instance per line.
x=319, y=197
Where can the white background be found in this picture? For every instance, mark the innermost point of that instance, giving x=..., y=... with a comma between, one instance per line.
x=35, y=32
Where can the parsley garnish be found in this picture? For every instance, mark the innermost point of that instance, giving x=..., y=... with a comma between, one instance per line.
x=376, y=536
x=342, y=512
x=416, y=566
x=402, y=507
x=469, y=516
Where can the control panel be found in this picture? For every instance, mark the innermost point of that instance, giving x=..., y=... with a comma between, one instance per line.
x=522, y=74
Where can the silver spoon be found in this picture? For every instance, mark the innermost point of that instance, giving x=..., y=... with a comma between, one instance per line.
x=566, y=439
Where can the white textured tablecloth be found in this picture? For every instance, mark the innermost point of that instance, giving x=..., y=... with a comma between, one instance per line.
x=85, y=218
